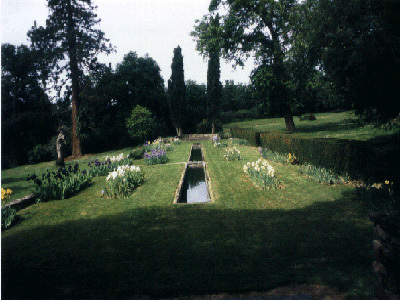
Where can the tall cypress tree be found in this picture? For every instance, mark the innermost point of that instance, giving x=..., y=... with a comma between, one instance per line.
x=214, y=87
x=177, y=92
x=70, y=35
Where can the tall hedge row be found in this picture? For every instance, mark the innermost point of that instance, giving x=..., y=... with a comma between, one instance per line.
x=249, y=134
x=359, y=159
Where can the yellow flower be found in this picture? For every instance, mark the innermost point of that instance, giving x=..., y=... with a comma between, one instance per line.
x=5, y=193
x=387, y=181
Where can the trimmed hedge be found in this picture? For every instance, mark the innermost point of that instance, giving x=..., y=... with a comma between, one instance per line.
x=356, y=158
x=249, y=134
x=359, y=159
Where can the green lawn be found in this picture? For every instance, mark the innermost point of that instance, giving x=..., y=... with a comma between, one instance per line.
x=344, y=125
x=248, y=240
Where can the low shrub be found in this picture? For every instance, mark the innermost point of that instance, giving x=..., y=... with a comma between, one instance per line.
x=123, y=181
x=61, y=185
x=137, y=153
x=156, y=156
x=40, y=153
x=232, y=154
x=262, y=174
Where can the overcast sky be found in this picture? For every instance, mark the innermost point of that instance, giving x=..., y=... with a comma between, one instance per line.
x=155, y=27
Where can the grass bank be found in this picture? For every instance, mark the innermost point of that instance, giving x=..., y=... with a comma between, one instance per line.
x=248, y=240
x=344, y=125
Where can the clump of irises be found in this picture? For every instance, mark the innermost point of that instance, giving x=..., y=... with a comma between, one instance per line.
x=155, y=156
x=64, y=183
x=102, y=168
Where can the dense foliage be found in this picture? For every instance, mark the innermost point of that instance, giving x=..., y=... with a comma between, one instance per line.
x=140, y=124
x=70, y=36
x=313, y=55
x=27, y=115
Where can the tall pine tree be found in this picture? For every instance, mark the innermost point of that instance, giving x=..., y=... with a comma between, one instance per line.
x=177, y=92
x=70, y=36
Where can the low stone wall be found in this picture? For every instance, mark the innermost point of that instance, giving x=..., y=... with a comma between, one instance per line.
x=387, y=255
x=21, y=203
x=198, y=137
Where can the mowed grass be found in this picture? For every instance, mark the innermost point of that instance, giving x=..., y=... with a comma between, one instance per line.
x=344, y=125
x=248, y=240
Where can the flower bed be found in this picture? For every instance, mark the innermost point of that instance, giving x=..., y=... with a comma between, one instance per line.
x=232, y=154
x=155, y=156
x=61, y=185
x=123, y=181
x=262, y=174
x=102, y=168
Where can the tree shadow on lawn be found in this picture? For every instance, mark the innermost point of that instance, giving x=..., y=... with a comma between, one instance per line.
x=189, y=250
x=342, y=125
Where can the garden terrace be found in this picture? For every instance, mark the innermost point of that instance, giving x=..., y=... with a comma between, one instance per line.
x=248, y=240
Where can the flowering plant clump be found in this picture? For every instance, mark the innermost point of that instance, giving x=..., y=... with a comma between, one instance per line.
x=293, y=159
x=100, y=168
x=322, y=175
x=122, y=181
x=115, y=158
x=156, y=156
x=217, y=142
x=7, y=213
x=158, y=144
x=62, y=184
x=262, y=174
x=5, y=193
x=232, y=154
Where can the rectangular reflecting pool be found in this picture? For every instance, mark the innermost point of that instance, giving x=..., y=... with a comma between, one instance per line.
x=194, y=188
x=196, y=155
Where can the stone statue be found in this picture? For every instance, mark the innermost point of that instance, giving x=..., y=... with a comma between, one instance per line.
x=60, y=146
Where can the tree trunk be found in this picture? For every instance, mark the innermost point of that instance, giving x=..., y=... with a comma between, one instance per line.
x=213, y=128
x=76, y=142
x=73, y=63
x=290, y=127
